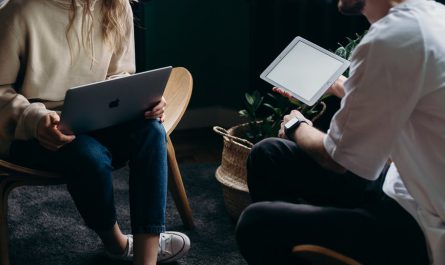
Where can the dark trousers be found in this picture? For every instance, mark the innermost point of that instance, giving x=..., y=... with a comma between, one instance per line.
x=88, y=162
x=298, y=202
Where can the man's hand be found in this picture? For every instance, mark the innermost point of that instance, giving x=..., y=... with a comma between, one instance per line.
x=283, y=93
x=157, y=111
x=310, y=140
x=49, y=135
x=337, y=88
x=286, y=118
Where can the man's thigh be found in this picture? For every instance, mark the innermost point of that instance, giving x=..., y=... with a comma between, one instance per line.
x=279, y=170
x=384, y=235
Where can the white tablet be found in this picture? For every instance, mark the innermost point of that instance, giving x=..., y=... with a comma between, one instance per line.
x=305, y=70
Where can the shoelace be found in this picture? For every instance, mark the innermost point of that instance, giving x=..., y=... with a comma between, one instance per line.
x=164, y=243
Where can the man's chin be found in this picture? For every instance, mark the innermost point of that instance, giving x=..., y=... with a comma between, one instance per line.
x=353, y=9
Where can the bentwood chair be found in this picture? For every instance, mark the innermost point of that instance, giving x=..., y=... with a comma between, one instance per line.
x=318, y=255
x=177, y=94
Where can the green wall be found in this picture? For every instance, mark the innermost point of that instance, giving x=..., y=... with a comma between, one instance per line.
x=227, y=44
x=210, y=38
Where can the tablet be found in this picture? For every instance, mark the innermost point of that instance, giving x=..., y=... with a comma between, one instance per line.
x=305, y=70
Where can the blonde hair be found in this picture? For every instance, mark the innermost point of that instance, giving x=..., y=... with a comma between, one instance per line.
x=115, y=23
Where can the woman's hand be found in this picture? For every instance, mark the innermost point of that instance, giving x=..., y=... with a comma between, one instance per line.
x=48, y=134
x=157, y=111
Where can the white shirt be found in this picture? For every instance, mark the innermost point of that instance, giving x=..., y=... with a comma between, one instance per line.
x=394, y=107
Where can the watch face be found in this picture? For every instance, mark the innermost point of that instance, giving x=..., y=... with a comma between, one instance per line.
x=291, y=123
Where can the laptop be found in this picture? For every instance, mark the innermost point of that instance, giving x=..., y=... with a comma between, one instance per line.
x=111, y=102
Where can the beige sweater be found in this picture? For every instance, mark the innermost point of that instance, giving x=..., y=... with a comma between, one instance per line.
x=37, y=65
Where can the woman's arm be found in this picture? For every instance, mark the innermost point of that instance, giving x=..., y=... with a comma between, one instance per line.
x=18, y=118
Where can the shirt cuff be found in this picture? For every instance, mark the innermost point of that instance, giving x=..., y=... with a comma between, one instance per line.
x=27, y=125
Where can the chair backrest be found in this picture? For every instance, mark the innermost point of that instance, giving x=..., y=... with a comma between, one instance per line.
x=177, y=94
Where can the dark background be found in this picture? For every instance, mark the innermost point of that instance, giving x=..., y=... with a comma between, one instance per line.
x=227, y=44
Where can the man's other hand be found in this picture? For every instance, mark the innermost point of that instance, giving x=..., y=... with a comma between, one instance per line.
x=286, y=118
x=337, y=88
x=48, y=134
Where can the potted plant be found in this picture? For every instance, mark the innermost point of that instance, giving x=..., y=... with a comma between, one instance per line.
x=264, y=114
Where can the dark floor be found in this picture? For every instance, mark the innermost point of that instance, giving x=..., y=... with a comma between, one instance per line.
x=197, y=145
x=53, y=233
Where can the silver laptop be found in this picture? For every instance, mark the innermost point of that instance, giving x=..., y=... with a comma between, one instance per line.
x=110, y=102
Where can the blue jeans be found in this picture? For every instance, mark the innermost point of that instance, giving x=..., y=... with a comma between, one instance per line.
x=88, y=162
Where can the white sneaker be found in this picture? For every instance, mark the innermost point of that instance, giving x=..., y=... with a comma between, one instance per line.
x=172, y=246
x=128, y=252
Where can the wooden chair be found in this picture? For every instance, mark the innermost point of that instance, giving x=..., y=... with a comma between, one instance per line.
x=318, y=255
x=177, y=94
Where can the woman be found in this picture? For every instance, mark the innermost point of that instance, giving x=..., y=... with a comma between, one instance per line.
x=49, y=46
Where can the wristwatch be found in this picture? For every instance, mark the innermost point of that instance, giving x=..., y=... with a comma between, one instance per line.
x=291, y=126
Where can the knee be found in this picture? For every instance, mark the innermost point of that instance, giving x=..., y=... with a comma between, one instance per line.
x=263, y=156
x=251, y=223
x=252, y=232
x=266, y=151
x=154, y=129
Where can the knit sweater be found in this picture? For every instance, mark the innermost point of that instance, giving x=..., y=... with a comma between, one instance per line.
x=38, y=64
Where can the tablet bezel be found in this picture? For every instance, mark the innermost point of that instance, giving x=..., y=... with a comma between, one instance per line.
x=327, y=84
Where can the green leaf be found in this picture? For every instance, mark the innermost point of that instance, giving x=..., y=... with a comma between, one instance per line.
x=267, y=105
x=256, y=94
x=272, y=96
x=257, y=102
x=244, y=113
x=249, y=99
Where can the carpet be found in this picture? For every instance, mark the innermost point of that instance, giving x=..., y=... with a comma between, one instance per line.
x=45, y=227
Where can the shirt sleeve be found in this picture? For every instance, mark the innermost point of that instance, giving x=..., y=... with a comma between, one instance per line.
x=18, y=118
x=381, y=93
x=123, y=60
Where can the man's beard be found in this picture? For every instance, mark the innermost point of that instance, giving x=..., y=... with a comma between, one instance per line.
x=351, y=7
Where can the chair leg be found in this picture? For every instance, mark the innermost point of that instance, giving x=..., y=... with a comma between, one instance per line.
x=176, y=187
x=322, y=256
x=4, y=237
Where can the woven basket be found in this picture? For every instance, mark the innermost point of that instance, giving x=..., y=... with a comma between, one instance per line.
x=232, y=171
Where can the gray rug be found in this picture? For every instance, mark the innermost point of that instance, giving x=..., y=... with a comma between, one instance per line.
x=46, y=229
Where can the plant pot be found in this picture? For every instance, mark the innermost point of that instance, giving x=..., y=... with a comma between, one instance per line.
x=231, y=174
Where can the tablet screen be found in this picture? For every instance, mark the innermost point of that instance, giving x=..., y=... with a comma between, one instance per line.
x=305, y=70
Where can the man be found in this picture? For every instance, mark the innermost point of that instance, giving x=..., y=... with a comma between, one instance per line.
x=324, y=189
